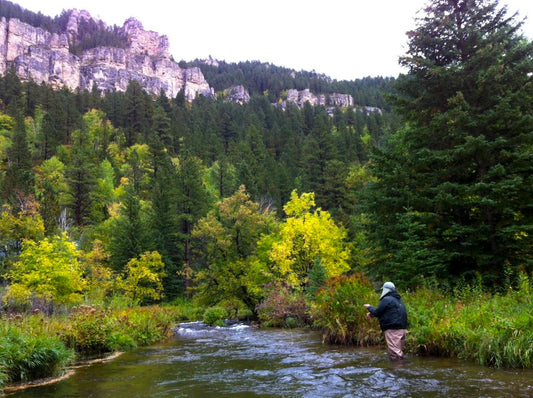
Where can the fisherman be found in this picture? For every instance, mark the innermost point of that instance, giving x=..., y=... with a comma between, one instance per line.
x=392, y=317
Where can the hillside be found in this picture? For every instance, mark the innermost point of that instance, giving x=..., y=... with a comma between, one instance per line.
x=80, y=52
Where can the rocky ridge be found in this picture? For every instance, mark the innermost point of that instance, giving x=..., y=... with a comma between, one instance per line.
x=45, y=57
x=335, y=100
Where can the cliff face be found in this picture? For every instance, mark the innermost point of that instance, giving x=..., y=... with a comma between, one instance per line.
x=44, y=57
x=335, y=100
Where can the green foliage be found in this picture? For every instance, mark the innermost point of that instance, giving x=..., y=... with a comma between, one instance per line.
x=144, y=275
x=93, y=34
x=48, y=270
x=15, y=227
x=93, y=331
x=225, y=245
x=453, y=186
x=493, y=330
x=215, y=316
x=88, y=331
x=185, y=308
x=27, y=352
x=51, y=191
x=127, y=234
x=37, y=346
x=147, y=325
x=338, y=309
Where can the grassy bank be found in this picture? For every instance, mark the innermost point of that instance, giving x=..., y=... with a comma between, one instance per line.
x=489, y=329
x=35, y=346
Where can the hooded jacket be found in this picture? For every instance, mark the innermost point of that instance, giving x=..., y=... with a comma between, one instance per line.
x=391, y=312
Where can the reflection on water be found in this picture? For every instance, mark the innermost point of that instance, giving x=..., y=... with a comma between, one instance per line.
x=241, y=361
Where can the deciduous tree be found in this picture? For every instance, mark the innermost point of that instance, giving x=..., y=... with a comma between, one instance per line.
x=308, y=236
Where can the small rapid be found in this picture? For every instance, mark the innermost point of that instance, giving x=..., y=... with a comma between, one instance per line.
x=242, y=361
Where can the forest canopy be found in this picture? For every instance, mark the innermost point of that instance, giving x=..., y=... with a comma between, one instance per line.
x=157, y=197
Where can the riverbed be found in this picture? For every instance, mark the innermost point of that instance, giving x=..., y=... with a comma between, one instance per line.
x=242, y=361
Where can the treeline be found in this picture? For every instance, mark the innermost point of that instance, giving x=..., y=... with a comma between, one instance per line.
x=11, y=10
x=77, y=157
x=436, y=193
x=91, y=34
x=263, y=78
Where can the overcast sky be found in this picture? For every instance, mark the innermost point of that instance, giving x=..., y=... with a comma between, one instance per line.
x=344, y=39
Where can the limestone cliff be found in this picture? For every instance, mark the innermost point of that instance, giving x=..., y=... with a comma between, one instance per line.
x=45, y=57
x=334, y=100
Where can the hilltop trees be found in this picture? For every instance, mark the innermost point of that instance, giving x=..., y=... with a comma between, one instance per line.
x=453, y=196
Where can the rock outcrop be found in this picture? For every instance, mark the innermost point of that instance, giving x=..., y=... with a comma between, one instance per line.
x=237, y=94
x=45, y=57
x=334, y=100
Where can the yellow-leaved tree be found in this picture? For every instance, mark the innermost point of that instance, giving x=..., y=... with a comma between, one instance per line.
x=144, y=278
x=309, y=236
x=47, y=270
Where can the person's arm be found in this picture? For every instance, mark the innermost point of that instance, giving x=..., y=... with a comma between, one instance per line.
x=370, y=310
x=377, y=312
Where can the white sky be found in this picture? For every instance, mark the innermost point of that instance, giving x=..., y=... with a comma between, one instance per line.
x=344, y=39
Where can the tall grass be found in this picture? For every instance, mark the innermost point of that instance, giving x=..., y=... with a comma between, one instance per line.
x=38, y=346
x=469, y=323
x=29, y=350
x=490, y=329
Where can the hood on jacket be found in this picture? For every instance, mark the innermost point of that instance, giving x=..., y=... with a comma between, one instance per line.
x=387, y=288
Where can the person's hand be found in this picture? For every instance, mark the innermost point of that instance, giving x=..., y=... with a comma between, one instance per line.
x=369, y=315
x=366, y=305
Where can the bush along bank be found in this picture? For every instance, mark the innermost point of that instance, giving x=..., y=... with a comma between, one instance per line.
x=36, y=346
x=489, y=329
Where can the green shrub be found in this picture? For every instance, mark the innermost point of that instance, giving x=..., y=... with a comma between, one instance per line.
x=147, y=325
x=283, y=307
x=338, y=310
x=489, y=329
x=215, y=316
x=3, y=373
x=88, y=331
x=186, y=309
x=118, y=341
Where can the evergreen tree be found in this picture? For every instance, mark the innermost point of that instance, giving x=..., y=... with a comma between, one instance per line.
x=165, y=214
x=454, y=191
x=194, y=202
x=138, y=113
x=129, y=233
x=19, y=178
x=319, y=149
x=81, y=176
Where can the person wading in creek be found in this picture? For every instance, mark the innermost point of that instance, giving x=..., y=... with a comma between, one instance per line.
x=392, y=317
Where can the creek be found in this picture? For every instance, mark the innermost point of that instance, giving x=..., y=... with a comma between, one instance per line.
x=242, y=361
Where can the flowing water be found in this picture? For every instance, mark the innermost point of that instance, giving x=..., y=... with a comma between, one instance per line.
x=241, y=361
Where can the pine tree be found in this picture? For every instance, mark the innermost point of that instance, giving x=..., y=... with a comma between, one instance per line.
x=19, y=178
x=194, y=202
x=129, y=233
x=81, y=178
x=455, y=183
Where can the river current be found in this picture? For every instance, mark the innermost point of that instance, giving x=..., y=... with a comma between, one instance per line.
x=242, y=361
